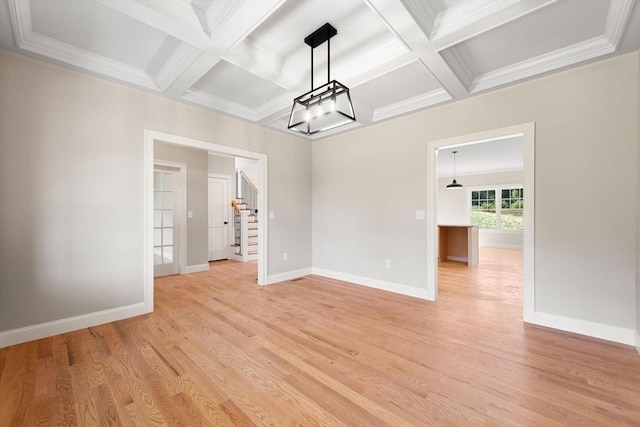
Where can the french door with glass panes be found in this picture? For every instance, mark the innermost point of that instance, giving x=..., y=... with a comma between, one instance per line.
x=165, y=222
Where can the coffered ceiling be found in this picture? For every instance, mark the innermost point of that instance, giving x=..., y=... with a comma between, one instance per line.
x=248, y=59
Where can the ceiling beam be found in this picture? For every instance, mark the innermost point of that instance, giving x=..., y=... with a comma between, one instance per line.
x=227, y=23
x=404, y=25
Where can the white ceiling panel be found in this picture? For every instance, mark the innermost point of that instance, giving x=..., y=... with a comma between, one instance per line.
x=234, y=84
x=352, y=49
x=248, y=59
x=486, y=157
x=96, y=28
x=556, y=26
x=404, y=83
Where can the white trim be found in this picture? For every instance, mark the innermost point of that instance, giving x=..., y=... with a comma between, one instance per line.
x=181, y=209
x=457, y=258
x=528, y=132
x=396, y=288
x=412, y=104
x=288, y=275
x=149, y=137
x=196, y=268
x=219, y=104
x=585, y=327
x=501, y=246
x=636, y=337
x=29, y=40
x=533, y=67
x=617, y=20
x=179, y=61
x=48, y=329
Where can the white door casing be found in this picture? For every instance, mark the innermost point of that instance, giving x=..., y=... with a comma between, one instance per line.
x=150, y=136
x=218, y=217
x=527, y=130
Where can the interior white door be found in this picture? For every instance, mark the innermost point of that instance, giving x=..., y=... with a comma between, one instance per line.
x=218, y=218
x=165, y=222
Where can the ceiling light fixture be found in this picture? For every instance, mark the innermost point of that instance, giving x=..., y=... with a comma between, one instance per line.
x=454, y=184
x=325, y=107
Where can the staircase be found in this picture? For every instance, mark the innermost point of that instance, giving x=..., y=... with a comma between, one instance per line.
x=245, y=220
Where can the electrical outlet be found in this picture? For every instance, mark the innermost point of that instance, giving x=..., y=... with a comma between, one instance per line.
x=387, y=263
x=272, y=215
x=421, y=215
x=285, y=256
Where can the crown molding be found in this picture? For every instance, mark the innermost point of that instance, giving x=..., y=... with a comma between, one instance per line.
x=617, y=19
x=269, y=66
x=466, y=13
x=468, y=19
x=458, y=65
x=45, y=46
x=231, y=22
x=176, y=65
x=564, y=57
x=423, y=15
x=219, y=104
x=274, y=108
x=382, y=54
x=163, y=18
x=412, y=104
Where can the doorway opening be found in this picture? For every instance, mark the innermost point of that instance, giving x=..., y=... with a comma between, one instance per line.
x=150, y=137
x=525, y=133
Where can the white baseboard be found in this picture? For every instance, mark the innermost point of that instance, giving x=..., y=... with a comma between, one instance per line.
x=457, y=258
x=48, y=329
x=499, y=246
x=584, y=327
x=637, y=339
x=372, y=283
x=196, y=268
x=288, y=275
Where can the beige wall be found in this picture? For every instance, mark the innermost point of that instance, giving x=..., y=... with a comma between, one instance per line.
x=222, y=165
x=367, y=185
x=71, y=176
x=197, y=197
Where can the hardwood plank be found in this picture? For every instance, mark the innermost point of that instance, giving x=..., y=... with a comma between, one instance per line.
x=219, y=350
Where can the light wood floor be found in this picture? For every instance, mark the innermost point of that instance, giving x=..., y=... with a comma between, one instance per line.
x=219, y=350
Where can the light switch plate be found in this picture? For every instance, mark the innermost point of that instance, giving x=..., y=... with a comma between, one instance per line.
x=189, y=214
x=420, y=215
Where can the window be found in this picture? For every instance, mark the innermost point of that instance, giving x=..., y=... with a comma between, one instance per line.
x=498, y=208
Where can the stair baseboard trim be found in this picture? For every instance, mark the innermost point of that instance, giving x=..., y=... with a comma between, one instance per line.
x=585, y=327
x=396, y=288
x=70, y=324
x=196, y=268
x=288, y=275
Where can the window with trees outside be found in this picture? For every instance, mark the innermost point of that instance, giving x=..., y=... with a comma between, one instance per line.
x=498, y=208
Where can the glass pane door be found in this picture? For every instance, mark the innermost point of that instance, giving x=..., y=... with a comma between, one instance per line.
x=164, y=222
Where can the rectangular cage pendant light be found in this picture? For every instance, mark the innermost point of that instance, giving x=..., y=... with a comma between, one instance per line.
x=327, y=106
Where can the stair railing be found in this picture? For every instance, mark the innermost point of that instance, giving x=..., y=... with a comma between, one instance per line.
x=244, y=208
x=248, y=192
